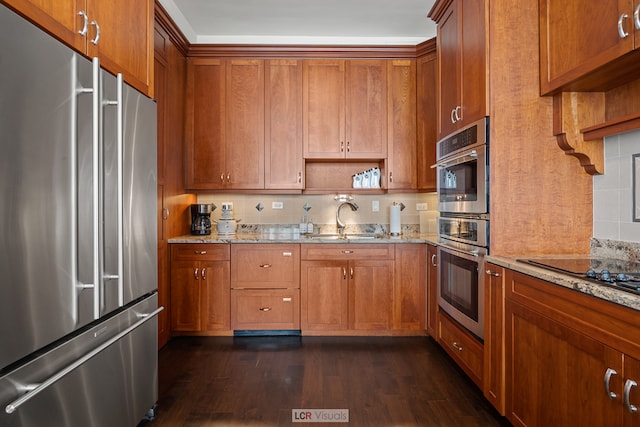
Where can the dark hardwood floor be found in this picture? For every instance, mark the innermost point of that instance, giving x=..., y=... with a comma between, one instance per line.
x=257, y=381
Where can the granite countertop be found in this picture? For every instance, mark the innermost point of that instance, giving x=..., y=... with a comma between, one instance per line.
x=294, y=237
x=617, y=296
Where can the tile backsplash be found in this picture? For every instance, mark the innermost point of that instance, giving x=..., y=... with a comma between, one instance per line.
x=612, y=191
x=323, y=209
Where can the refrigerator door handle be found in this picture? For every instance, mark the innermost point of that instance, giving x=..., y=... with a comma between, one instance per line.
x=35, y=389
x=119, y=103
x=95, y=92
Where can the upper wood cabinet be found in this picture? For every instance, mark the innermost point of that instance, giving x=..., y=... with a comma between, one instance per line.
x=119, y=32
x=462, y=63
x=402, y=162
x=427, y=116
x=345, y=109
x=283, y=162
x=580, y=43
x=225, y=124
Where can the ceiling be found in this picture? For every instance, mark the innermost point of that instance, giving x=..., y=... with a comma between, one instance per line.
x=303, y=22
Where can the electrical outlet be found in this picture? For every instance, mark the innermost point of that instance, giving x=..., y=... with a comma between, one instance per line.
x=277, y=205
x=422, y=207
x=375, y=206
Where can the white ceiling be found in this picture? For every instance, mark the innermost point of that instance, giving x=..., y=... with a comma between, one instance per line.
x=334, y=22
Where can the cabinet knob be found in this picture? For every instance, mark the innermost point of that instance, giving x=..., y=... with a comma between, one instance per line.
x=491, y=273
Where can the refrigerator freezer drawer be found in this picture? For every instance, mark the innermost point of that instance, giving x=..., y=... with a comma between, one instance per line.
x=115, y=387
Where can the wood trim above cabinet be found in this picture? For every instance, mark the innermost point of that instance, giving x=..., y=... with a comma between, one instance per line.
x=303, y=51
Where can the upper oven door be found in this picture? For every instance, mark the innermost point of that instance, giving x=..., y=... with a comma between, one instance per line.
x=462, y=182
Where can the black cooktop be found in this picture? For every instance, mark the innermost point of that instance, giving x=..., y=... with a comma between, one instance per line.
x=624, y=275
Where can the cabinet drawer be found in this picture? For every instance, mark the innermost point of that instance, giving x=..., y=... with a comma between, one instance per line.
x=199, y=251
x=265, y=309
x=345, y=251
x=265, y=266
x=466, y=350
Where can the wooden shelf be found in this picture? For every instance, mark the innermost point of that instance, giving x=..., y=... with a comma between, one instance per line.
x=612, y=127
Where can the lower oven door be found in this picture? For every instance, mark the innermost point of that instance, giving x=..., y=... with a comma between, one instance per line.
x=461, y=286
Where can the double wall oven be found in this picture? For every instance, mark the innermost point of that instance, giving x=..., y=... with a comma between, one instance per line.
x=463, y=225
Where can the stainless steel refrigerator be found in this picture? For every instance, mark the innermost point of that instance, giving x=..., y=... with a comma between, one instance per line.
x=78, y=244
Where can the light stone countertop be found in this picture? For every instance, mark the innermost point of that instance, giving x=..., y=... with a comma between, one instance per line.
x=291, y=237
x=608, y=293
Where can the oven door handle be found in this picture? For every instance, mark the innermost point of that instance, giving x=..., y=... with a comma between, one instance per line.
x=462, y=158
x=473, y=253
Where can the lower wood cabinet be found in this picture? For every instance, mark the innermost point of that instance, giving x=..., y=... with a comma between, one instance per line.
x=265, y=286
x=362, y=289
x=462, y=347
x=571, y=359
x=199, y=287
x=260, y=309
x=493, y=385
x=432, y=290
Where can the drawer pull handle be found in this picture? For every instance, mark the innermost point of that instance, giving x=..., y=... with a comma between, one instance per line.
x=457, y=346
x=265, y=265
x=265, y=308
x=607, y=379
x=621, y=31
x=433, y=260
x=628, y=385
x=200, y=252
x=204, y=274
x=286, y=299
x=344, y=273
x=346, y=251
x=351, y=272
x=195, y=273
x=286, y=253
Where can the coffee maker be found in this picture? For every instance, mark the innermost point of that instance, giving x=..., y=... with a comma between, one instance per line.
x=200, y=219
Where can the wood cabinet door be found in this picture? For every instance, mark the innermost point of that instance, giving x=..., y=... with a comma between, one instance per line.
x=493, y=387
x=474, y=72
x=257, y=309
x=632, y=373
x=575, y=40
x=267, y=265
x=370, y=295
x=60, y=18
x=185, y=295
x=323, y=109
x=125, y=43
x=402, y=149
x=244, y=136
x=555, y=375
x=324, y=302
x=427, y=116
x=205, y=124
x=283, y=162
x=432, y=290
x=409, y=303
x=366, y=109
x=449, y=68
x=214, y=296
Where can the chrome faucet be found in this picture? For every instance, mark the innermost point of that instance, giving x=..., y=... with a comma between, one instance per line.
x=340, y=224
